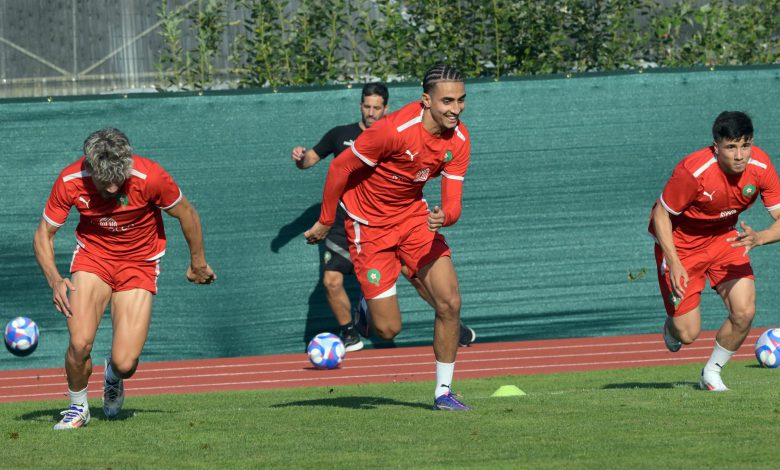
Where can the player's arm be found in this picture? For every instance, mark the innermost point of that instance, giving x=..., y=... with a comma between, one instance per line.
x=199, y=271
x=750, y=238
x=338, y=175
x=43, y=245
x=452, y=205
x=663, y=233
x=769, y=188
x=304, y=158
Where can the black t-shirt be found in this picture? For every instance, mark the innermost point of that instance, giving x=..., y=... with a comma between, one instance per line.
x=337, y=140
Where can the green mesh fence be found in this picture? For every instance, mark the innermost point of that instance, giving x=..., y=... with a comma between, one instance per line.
x=556, y=205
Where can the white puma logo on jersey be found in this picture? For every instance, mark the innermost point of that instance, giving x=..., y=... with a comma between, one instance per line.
x=709, y=195
x=348, y=143
x=411, y=155
x=85, y=201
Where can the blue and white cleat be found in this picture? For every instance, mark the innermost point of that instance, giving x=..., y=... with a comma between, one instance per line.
x=113, y=394
x=72, y=418
x=449, y=402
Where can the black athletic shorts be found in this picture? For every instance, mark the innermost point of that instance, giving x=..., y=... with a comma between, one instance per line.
x=336, y=255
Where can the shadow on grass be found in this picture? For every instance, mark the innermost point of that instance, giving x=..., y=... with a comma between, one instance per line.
x=639, y=385
x=53, y=415
x=355, y=403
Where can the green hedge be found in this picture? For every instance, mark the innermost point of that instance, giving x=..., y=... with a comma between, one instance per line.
x=279, y=43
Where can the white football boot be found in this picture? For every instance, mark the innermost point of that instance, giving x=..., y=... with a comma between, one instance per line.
x=712, y=382
x=76, y=416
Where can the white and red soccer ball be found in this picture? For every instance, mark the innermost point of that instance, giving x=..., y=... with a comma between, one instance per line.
x=21, y=336
x=326, y=351
x=768, y=348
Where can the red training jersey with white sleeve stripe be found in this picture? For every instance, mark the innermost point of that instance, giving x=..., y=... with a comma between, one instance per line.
x=128, y=226
x=704, y=200
x=398, y=157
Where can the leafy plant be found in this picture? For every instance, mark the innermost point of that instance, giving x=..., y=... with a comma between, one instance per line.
x=337, y=41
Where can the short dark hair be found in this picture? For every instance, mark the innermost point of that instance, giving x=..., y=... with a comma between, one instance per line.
x=440, y=73
x=375, y=88
x=732, y=125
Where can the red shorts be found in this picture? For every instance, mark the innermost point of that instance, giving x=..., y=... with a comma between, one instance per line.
x=377, y=252
x=715, y=260
x=121, y=275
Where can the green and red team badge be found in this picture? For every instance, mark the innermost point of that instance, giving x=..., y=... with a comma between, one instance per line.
x=122, y=199
x=674, y=300
x=374, y=276
x=448, y=156
x=749, y=191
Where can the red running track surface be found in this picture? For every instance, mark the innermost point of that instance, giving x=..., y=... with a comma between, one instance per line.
x=375, y=366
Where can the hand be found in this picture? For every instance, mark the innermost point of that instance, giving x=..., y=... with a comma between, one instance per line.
x=60, y=296
x=297, y=155
x=435, y=219
x=679, y=277
x=749, y=238
x=201, y=274
x=316, y=233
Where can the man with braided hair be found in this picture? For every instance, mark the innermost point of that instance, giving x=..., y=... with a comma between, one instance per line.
x=379, y=181
x=120, y=240
x=336, y=262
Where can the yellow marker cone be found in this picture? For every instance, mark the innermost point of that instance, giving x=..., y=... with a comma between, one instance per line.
x=508, y=391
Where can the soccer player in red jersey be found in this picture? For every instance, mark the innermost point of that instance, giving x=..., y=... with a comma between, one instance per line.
x=379, y=180
x=120, y=239
x=693, y=223
x=336, y=262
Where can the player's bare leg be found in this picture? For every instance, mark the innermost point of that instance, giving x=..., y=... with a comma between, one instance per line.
x=686, y=327
x=385, y=316
x=739, y=296
x=88, y=302
x=441, y=282
x=337, y=297
x=466, y=335
x=339, y=303
x=131, y=314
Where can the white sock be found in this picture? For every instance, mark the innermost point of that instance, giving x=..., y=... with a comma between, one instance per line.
x=720, y=356
x=79, y=398
x=110, y=375
x=444, y=374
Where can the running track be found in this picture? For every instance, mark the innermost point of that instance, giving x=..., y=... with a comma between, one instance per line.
x=375, y=365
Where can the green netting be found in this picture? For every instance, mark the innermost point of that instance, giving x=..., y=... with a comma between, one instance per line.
x=556, y=205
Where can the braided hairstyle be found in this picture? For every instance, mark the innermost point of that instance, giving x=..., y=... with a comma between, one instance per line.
x=440, y=73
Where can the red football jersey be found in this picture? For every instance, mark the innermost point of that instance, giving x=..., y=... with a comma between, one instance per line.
x=129, y=226
x=404, y=156
x=704, y=200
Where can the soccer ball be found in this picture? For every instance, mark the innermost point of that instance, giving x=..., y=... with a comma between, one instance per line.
x=21, y=336
x=326, y=351
x=768, y=348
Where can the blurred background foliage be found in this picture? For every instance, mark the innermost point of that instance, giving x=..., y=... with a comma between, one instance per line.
x=291, y=43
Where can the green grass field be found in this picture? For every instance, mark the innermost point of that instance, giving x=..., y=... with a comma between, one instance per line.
x=631, y=418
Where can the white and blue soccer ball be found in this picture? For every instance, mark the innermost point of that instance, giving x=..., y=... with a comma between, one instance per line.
x=326, y=351
x=768, y=348
x=21, y=336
